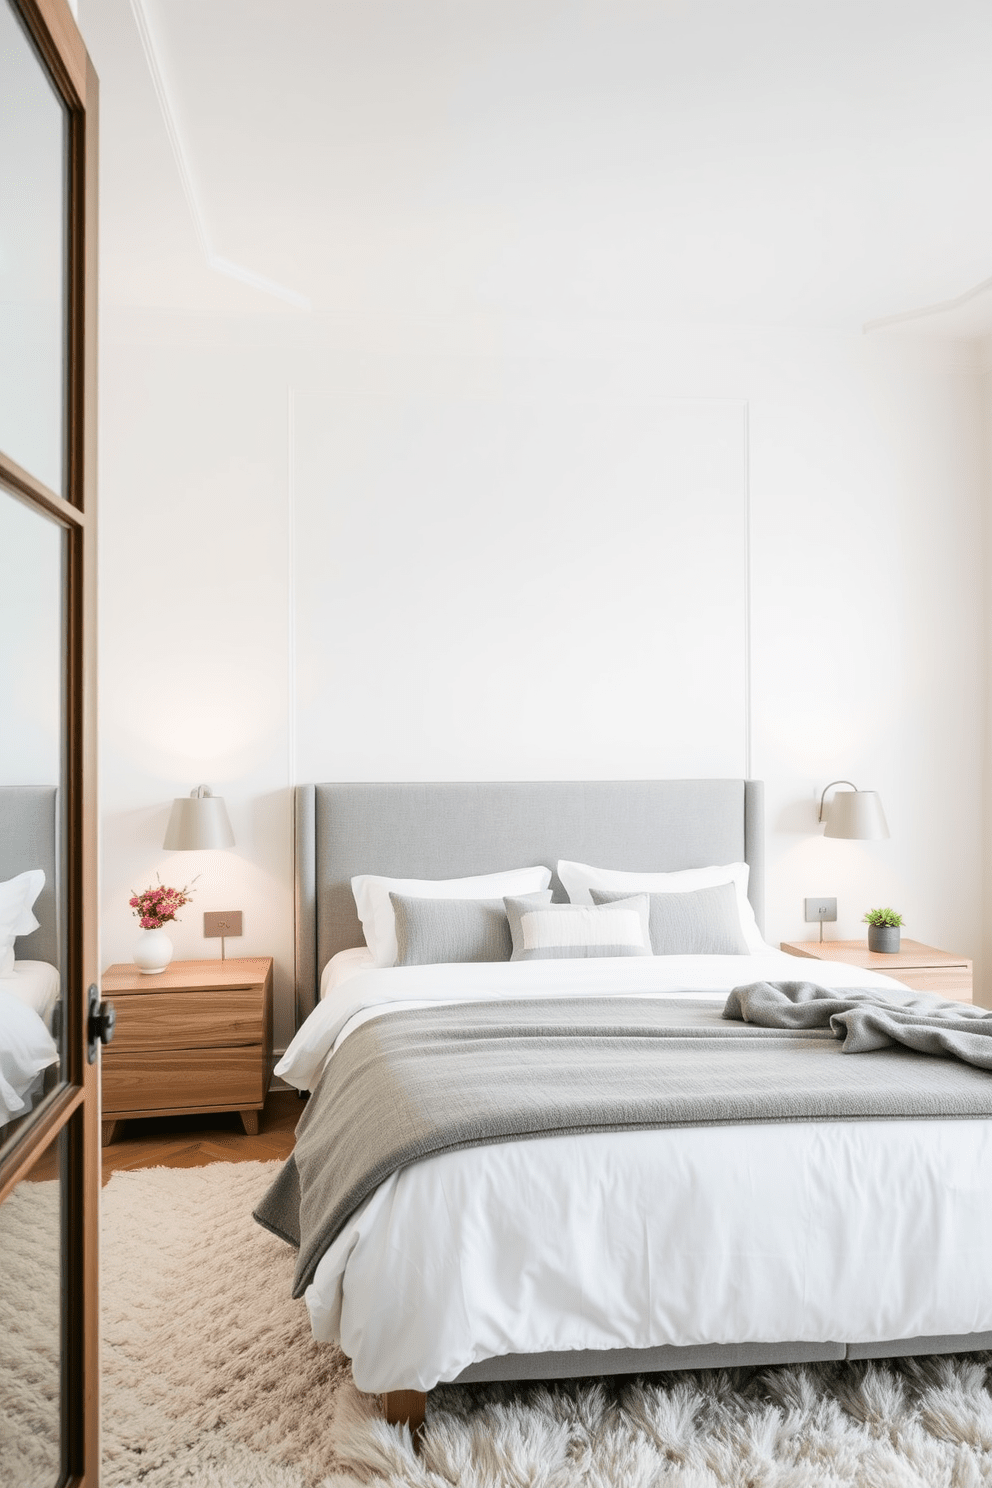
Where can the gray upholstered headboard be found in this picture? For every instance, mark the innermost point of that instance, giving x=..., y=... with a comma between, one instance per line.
x=29, y=838
x=454, y=829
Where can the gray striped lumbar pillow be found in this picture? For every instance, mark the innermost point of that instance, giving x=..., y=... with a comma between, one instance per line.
x=701, y=922
x=432, y=931
x=556, y=932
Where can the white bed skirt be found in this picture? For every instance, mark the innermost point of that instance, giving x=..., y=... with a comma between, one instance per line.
x=840, y=1231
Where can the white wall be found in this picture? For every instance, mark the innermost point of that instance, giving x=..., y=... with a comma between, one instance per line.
x=866, y=604
x=194, y=684
x=509, y=585
x=868, y=632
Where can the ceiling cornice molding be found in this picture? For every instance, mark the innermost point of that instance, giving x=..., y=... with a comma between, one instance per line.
x=943, y=307
x=214, y=260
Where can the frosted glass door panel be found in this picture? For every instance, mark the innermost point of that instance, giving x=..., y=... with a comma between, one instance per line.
x=33, y=128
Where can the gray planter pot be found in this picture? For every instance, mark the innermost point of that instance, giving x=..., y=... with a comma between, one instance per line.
x=883, y=938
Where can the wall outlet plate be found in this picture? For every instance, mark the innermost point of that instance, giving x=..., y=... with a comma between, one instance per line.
x=815, y=910
x=221, y=922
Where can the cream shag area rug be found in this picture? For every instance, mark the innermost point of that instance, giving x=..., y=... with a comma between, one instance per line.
x=30, y=1336
x=211, y=1380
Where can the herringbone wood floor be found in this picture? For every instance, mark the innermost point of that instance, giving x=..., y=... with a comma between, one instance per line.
x=194, y=1141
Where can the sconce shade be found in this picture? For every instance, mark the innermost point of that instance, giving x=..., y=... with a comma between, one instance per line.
x=198, y=821
x=856, y=813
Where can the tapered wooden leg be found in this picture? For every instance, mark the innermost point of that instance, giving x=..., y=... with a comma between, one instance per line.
x=408, y=1406
x=249, y=1120
x=107, y=1131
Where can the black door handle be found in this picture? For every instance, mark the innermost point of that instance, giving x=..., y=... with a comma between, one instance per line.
x=100, y=1023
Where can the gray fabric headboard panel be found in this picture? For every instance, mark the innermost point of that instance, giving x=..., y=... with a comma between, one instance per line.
x=29, y=838
x=454, y=829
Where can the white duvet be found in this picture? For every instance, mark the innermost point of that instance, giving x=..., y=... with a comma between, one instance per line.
x=27, y=999
x=843, y=1231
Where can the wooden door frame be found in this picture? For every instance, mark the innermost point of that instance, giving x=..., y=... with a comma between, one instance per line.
x=75, y=1107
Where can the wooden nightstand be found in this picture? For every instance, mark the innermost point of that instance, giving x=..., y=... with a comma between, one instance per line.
x=196, y=1037
x=919, y=966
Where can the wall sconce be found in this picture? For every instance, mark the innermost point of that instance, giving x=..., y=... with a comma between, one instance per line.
x=853, y=813
x=198, y=821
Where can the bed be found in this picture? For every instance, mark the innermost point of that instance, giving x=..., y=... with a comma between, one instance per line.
x=619, y=1251
x=30, y=984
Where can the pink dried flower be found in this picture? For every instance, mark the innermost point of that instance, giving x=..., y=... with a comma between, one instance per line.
x=159, y=904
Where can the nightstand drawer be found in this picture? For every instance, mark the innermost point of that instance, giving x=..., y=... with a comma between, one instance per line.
x=952, y=982
x=194, y=1078
x=219, y=1018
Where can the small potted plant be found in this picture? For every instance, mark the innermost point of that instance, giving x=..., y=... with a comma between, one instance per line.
x=883, y=929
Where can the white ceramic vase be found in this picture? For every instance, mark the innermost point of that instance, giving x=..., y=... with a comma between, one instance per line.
x=153, y=952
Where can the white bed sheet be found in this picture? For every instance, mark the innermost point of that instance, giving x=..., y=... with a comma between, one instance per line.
x=343, y=966
x=842, y=1231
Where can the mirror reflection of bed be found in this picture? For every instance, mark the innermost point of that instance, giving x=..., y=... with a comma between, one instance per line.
x=30, y=953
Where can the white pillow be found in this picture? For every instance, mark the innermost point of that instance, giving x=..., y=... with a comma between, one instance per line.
x=579, y=879
x=563, y=932
x=375, y=908
x=16, y=898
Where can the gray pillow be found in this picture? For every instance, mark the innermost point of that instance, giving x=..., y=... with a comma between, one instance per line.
x=702, y=922
x=430, y=931
x=558, y=932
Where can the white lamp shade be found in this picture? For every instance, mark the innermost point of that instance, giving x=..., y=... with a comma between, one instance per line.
x=198, y=822
x=856, y=813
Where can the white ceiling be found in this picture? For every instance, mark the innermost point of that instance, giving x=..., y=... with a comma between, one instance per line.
x=719, y=161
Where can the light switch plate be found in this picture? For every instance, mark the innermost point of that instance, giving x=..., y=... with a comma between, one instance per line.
x=220, y=922
x=818, y=910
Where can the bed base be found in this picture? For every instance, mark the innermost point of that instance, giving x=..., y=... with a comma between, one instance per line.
x=408, y=1406
x=581, y=1363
